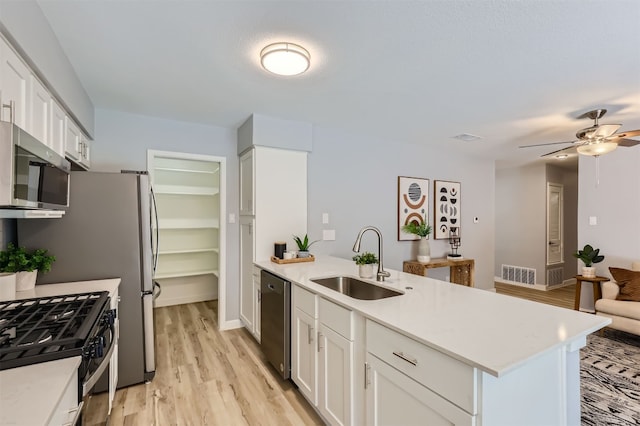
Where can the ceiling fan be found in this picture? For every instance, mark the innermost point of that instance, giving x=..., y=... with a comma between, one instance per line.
x=595, y=140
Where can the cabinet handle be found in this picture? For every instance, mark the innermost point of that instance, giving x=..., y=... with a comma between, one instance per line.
x=367, y=375
x=404, y=357
x=319, y=340
x=12, y=107
x=310, y=333
x=259, y=295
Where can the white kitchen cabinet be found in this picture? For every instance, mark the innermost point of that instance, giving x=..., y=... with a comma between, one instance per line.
x=39, y=112
x=187, y=194
x=85, y=152
x=246, y=183
x=72, y=140
x=247, y=308
x=304, y=355
x=392, y=398
x=335, y=370
x=57, y=128
x=15, y=86
x=257, y=304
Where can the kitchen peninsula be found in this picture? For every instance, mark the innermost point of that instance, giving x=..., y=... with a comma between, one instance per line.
x=437, y=353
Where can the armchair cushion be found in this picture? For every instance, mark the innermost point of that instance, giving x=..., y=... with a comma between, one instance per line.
x=610, y=290
x=629, y=283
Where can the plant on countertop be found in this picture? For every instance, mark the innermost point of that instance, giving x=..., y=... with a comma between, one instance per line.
x=18, y=259
x=366, y=258
x=303, y=244
x=420, y=229
x=589, y=255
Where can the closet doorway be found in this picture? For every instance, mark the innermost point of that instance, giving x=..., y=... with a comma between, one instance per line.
x=189, y=233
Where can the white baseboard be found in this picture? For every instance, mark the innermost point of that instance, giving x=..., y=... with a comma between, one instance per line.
x=191, y=298
x=231, y=325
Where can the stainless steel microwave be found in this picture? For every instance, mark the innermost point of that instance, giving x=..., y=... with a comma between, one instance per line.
x=32, y=175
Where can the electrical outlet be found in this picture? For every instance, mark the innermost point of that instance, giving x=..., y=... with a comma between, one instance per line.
x=328, y=234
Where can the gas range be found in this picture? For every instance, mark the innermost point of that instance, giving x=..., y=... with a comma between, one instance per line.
x=49, y=328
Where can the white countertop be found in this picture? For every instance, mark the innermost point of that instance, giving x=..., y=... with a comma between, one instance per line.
x=46, y=290
x=29, y=395
x=493, y=332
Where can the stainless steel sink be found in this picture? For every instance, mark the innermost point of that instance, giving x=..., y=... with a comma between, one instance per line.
x=355, y=288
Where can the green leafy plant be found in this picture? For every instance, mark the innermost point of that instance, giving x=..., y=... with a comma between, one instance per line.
x=421, y=229
x=18, y=259
x=365, y=258
x=303, y=244
x=589, y=255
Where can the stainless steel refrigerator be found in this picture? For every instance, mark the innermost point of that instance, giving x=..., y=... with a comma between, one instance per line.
x=106, y=233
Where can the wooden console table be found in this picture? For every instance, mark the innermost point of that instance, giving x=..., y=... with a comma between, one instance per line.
x=460, y=271
x=597, y=293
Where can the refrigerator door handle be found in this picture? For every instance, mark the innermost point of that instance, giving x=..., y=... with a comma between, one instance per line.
x=155, y=248
x=149, y=341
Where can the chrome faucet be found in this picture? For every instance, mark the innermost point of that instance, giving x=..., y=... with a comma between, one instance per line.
x=356, y=248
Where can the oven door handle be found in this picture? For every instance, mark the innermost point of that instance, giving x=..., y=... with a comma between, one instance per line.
x=91, y=381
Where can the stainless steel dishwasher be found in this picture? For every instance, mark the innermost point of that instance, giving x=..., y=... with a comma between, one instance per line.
x=275, y=322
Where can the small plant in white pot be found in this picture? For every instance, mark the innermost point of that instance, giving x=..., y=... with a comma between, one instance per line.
x=25, y=264
x=303, y=245
x=365, y=262
x=422, y=230
x=588, y=255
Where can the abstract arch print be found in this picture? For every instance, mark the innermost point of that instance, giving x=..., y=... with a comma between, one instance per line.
x=413, y=204
x=446, y=209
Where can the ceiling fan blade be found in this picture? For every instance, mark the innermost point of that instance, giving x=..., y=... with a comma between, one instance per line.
x=628, y=134
x=605, y=130
x=545, y=144
x=627, y=142
x=567, y=150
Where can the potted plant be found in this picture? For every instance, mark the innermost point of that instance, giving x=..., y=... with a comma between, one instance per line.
x=588, y=255
x=365, y=262
x=25, y=264
x=303, y=245
x=421, y=229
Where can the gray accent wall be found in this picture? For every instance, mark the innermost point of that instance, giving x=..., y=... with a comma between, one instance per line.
x=355, y=180
x=122, y=141
x=26, y=27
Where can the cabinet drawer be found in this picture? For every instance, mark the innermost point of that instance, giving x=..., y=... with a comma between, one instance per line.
x=450, y=378
x=305, y=301
x=337, y=318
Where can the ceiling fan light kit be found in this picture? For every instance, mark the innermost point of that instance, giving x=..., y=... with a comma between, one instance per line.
x=285, y=59
x=597, y=148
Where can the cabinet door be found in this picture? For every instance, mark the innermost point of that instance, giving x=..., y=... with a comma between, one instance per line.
x=246, y=273
x=85, y=151
x=304, y=354
x=335, y=368
x=40, y=112
x=15, y=77
x=392, y=398
x=57, y=128
x=246, y=184
x=257, y=304
x=72, y=140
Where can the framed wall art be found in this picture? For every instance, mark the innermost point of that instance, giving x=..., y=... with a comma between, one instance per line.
x=413, y=204
x=446, y=209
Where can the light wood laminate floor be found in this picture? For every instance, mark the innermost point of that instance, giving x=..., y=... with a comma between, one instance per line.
x=563, y=296
x=207, y=377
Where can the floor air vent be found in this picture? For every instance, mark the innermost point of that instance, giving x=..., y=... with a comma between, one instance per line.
x=555, y=276
x=519, y=274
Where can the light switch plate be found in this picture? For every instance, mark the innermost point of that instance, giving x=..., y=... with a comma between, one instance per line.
x=593, y=220
x=328, y=234
x=232, y=218
x=325, y=218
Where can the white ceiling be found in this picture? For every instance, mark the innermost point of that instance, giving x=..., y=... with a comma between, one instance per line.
x=514, y=72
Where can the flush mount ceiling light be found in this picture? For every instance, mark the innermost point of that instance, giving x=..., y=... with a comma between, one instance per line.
x=595, y=149
x=285, y=58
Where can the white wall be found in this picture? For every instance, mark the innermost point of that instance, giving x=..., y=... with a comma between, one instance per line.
x=24, y=24
x=520, y=219
x=354, y=179
x=615, y=203
x=122, y=141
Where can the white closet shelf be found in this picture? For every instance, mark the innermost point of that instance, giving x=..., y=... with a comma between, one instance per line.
x=202, y=250
x=177, y=274
x=177, y=169
x=185, y=190
x=188, y=223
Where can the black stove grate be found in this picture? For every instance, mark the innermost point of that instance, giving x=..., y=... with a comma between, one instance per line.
x=47, y=328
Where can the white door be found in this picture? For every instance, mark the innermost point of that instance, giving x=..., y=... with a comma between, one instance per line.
x=246, y=273
x=14, y=76
x=335, y=367
x=392, y=398
x=555, y=241
x=303, y=357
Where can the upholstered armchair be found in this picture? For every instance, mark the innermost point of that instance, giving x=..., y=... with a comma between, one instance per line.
x=625, y=314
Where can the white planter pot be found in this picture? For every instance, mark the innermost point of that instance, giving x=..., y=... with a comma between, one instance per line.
x=303, y=254
x=589, y=271
x=7, y=286
x=424, y=250
x=365, y=271
x=26, y=280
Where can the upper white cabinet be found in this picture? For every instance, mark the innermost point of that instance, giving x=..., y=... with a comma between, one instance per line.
x=72, y=140
x=15, y=86
x=246, y=183
x=57, y=127
x=40, y=112
x=85, y=151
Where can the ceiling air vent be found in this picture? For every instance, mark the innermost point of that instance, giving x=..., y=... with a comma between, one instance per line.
x=467, y=137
